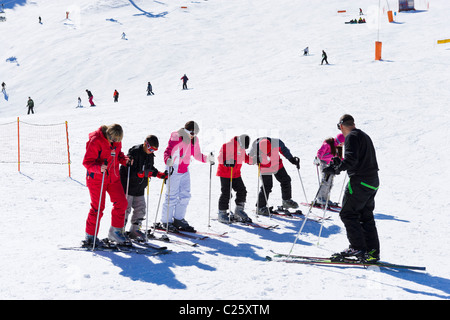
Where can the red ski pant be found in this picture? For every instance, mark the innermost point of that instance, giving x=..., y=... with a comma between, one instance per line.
x=118, y=199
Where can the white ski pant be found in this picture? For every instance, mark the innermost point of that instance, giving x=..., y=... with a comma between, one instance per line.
x=325, y=185
x=180, y=194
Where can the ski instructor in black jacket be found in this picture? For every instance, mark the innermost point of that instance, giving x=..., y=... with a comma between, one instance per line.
x=358, y=204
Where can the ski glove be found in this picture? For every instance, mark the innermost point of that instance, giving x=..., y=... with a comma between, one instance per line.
x=331, y=169
x=162, y=175
x=295, y=161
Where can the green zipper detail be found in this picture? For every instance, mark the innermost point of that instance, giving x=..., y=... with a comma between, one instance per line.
x=369, y=186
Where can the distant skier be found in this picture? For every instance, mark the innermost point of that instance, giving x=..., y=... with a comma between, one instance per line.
x=306, y=51
x=266, y=153
x=124, y=36
x=79, y=103
x=324, y=57
x=3, y=87
x=91, y=98
x=40, y=20
x=116, y=96
x=185, y=80
x=30, y=105
x=149, y=89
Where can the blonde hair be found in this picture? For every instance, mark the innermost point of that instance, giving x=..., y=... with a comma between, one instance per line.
x=113, y=132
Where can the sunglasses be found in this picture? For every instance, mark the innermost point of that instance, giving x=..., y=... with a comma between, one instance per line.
x=149, y=147
x=191, y=133
x=339, y=125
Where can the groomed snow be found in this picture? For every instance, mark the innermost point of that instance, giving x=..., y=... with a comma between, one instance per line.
x=247, y=75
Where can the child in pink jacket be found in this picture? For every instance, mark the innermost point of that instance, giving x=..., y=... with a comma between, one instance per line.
x=331, y=147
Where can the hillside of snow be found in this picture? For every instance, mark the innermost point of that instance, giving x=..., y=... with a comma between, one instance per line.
x=248, y=75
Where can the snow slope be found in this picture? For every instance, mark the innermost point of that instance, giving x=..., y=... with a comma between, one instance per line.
x=247, y=75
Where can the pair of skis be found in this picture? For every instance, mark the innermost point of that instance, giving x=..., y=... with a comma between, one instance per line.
x=133, y=247
x=346, y=262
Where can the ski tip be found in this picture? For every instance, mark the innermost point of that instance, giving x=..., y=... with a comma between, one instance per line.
x=268, y=258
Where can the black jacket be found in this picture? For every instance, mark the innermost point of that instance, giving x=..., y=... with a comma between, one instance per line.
x=142, y=162
x=359, y=158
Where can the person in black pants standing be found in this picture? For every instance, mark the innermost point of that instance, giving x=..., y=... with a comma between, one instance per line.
x=358, y=204
x=324, y=57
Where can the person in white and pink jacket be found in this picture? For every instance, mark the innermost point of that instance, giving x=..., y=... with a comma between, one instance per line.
x=331, y=147
x=183, y=145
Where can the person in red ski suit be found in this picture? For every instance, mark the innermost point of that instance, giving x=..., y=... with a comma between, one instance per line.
x=266, y=152
x=231, y=157
x=103, y=156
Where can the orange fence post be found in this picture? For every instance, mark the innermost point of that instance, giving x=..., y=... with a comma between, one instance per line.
x=377, y=50
x=390, y=16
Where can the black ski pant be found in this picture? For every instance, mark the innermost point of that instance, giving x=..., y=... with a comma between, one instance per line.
x=238, y=186
x=357, y=213
x=267, y=183
x=30, y=109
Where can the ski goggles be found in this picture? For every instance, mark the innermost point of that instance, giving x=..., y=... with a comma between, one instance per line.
x=149, y=147
x=191, y=133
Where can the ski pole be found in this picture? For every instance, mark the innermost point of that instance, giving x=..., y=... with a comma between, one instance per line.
x=301, y=181
x=209, y=197
x=342, y=189
x=265, y=195
x=99, y=206
x=231, y=188
x=157, y=208
x=126, y=195
x=170, y=164
x=318, y=175
x=325, y=209
x=146, y=209
x=304, y=222
x=257, y=190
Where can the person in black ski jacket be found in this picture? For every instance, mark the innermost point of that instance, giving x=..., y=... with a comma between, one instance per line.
x=141, y=169
x=30, y=105
x=358, y=204
x=185, y=80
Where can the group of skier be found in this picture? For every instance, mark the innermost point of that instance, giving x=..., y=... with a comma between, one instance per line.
x=125, y=178
x=184, y=78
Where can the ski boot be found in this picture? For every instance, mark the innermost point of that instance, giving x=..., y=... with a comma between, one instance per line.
x=116, y=235
x=264, y=211
x=348, y=253
x=89, y=241
x=183, y=225
x=224, y=217
x=290, y=204
x=136, y=233
x=240, y=215
x=166, y=226
x=371, y=256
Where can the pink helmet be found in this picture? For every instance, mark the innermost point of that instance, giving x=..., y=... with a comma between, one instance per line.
x=340, y=139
